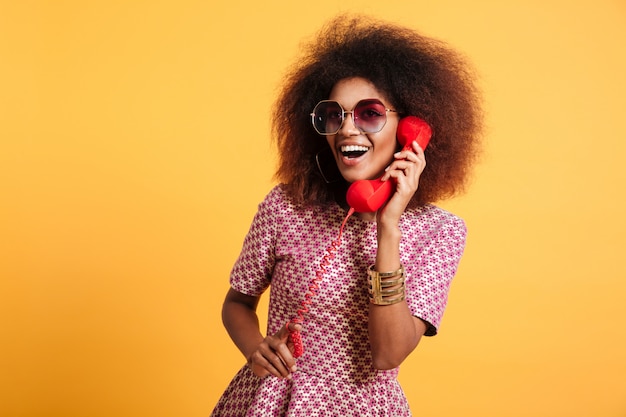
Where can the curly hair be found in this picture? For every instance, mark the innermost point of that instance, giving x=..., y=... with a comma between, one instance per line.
x=421, y=76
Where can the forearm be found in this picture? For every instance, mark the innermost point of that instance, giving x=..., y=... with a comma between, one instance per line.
x=393, y=331
x=241, y=322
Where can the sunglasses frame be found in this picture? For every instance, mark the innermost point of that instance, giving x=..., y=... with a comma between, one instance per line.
x=343, y=116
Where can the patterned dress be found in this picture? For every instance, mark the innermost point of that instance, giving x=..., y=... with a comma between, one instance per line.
x=335, y=377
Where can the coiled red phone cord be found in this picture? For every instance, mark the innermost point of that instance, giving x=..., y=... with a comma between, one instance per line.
x=296, y=338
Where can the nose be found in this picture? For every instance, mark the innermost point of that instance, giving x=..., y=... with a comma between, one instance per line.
x=348, y=127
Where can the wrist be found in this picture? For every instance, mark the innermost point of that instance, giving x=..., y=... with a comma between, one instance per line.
x=392, y=234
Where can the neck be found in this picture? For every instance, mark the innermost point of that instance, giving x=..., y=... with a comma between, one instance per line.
x=367, y=217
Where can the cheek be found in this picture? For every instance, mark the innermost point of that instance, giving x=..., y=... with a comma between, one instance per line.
x=390, y=143
x=390, y=140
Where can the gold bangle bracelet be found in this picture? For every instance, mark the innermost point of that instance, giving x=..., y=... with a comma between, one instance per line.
x=385, y=291
x=394, y=291
x=392, y=282
x=375, y=274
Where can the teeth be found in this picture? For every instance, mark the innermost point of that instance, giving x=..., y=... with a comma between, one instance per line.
x=354, y=148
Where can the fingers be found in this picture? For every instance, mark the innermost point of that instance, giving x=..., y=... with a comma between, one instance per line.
x=285, y=348
x=273, y=356
x=264, y=364
x=416, y=155
x=287, y=358
x=294, y=327
x=408, y=164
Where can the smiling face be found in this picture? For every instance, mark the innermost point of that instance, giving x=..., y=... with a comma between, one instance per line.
x=359, y=155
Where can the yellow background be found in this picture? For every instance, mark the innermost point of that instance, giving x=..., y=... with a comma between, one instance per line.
x=134, y=150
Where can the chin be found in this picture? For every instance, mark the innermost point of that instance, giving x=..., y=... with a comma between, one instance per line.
x=350, y=178
x=352, y=175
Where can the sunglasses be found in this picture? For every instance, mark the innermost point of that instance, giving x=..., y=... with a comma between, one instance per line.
x=369, y=116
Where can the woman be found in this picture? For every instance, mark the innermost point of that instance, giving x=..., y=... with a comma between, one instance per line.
x=354, y=82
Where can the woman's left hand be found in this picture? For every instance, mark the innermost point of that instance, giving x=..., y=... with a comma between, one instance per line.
x=405, y=171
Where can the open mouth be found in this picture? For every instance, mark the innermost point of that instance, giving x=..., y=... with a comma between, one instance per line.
x=353, y=151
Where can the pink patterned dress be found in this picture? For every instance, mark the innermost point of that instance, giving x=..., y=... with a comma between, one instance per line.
x=335, y=376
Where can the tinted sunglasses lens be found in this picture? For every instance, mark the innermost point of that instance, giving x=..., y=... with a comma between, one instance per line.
x=370, y=116
x=327, y=117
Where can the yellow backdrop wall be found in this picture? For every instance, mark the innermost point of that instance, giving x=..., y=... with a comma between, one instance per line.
x=134, y=148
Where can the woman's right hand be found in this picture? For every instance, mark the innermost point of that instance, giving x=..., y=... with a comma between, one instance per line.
x=274, y=356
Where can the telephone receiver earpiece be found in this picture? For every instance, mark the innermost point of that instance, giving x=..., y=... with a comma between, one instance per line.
x=367, y=196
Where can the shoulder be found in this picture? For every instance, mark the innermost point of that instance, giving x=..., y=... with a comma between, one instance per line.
x=280, y=205
x=276, y=194
x=434, y=215
x=431, y=219
x=276, y=198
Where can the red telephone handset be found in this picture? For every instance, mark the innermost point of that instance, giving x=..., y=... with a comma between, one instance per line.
x=363, y=196
x=367, y=196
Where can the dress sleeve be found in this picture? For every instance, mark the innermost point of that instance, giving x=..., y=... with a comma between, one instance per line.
x=429, y=278
x=252, y=272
